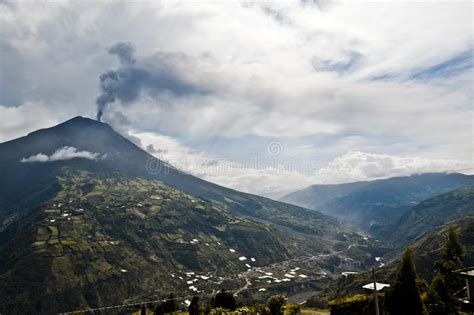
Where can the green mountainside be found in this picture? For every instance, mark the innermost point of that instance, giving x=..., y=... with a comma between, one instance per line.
x=106, y=238
x=429, y=214
x=427, y=249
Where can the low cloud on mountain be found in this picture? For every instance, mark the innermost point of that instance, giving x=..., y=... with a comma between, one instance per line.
x=61, y=154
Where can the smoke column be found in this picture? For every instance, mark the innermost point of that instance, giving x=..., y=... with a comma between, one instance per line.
x=157, y=75
x=109, y=81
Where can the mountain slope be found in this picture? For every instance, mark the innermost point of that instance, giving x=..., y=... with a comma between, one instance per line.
x=427, y=250
x=106, y=238
x=28, y=184
x=83, y=232
x=431, y=213
x=113, y=238
x=376, y=202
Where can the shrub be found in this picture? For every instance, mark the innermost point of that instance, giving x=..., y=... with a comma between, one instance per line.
x=275, y=304
x=292, y=309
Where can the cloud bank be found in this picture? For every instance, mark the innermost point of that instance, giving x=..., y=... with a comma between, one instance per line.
x=61, y=154
x=273, y=176
x=326, y=79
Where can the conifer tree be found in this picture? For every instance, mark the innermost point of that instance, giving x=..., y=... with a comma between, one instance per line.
x=194, y=306
x=404, y=297
x=225, y=300
x=170, y=306
x=445, y=284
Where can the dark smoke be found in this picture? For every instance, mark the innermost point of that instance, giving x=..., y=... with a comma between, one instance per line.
x=124, y=52
x=156, y=75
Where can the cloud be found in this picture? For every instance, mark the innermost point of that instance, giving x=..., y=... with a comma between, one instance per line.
x=61, y=154
x=275, y=175
x=18, y=121
x=361, y=166
x=389, y=78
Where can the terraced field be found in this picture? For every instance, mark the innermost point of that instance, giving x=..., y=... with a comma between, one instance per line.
x=109, y=238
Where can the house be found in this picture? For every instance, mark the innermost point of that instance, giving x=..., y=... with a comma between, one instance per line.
x=378, y=286
x=467, y=303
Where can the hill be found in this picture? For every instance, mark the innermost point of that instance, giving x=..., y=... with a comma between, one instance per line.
x=26, y=184
x=429, y=214
x=427, y=251
x=377, y=202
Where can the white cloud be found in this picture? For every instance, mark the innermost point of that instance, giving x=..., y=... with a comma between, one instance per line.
x=360, y=166
x=61, y=154
x=285, y=175
x=18, y=121
x=336, y=76
x=260, y=174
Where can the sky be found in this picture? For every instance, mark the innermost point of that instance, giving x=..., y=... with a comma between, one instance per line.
x=264, y=97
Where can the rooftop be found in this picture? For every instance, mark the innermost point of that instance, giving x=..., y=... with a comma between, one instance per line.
x=468, y=272
x=379, y=286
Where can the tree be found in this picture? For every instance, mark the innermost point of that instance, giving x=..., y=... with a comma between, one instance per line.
x=194, y=306
x=275, y=304
x=404, y=297
x=454, y=251
x=170, y=306
x=159, y=309
x=441, y=298
x=261, y=309
x=225, y=300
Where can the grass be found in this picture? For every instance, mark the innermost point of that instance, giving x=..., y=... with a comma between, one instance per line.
x=68, y=242
x=54, y=231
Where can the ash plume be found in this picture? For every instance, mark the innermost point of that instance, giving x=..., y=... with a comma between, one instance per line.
x=155, y=75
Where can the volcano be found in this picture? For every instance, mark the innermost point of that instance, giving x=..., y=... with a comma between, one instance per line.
x=89, y=219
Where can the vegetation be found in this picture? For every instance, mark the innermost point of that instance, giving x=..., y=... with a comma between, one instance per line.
x=446, y=285
x=357, y=304
x=106, y=232
x=225, y=299
x=170, y=305
x=275, y=304
x=292, y=309
x=429, y=214
x=194, y=307
x=404, y=297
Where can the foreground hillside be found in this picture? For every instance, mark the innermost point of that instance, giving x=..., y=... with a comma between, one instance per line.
x=427, y=249
x=378, y=202
x=430, y=214
x=107, y=238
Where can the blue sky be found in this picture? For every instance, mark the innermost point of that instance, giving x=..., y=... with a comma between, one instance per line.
x=349, y=90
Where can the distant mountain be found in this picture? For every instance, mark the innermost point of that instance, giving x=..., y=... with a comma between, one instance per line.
x=89, y=219
x=378, y=202
x=429, y=214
